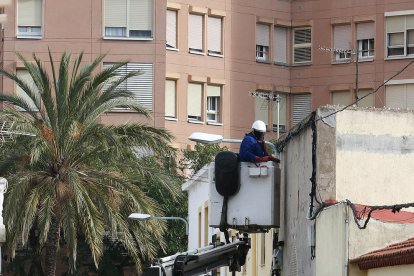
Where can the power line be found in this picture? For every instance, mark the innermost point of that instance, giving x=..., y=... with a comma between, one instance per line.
x=373, y=92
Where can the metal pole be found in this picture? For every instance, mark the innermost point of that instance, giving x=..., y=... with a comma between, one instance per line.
x=278, y=115
x=174, y=218
x=356, y=76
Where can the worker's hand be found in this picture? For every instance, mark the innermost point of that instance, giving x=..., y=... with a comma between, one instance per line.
x=274, y=159
x=262, y=159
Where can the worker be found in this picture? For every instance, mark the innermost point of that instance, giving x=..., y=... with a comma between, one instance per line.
x=252, y=148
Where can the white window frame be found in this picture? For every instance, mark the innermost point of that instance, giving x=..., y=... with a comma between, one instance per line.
x=31, y=31
x=169, y=47
x=175, y=100
x=369, y=50
x=263, y=51
x=203, y=36
x=405, y=44
x=216, y=111
x=212, y=52
x=301, y=45
x=196, y=119
x=127, y=35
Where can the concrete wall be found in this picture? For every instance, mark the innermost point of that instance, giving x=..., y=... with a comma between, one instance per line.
x=375, y=156
x=296, y=172
x=331, y=242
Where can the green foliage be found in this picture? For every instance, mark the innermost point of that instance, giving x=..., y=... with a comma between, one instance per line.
x=202, y=154
x=76, y=177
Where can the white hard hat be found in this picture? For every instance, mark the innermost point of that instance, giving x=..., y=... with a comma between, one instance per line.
x=259, y=126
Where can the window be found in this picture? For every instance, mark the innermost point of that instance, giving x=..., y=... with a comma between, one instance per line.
x=213, y=103
x=365, y=39
x=25, y=76
x=341, y=97
x=140, y=85
x=195, y=33
x=261, y=110
x=172, y=29
x=282, y=113
x=262, y=42
x=399, y=96
x=280, y=45
x=301, y=107
x=194, y=101
x=342, y=41
x=400, y=35
x=128, y=19
x=302, y=45
x=170, y=99
x=368, y=101
x=29, y=18
x=214, y=35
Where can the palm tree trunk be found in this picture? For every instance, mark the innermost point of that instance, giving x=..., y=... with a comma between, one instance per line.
x=52, y=245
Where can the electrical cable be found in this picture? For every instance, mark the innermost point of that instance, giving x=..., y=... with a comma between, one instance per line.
x=373, y=92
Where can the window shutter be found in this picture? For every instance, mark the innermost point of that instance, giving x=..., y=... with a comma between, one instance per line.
x=342, y=37
x=302, y=45
x=121, y=72
x=365, y=31
x=170, y=92
x=409, y=22
x=214, y=34
x=341, y=97
x=261, y=110
x=213, y=91
x=395, y=96
x=172, y=28
x=395, y=24
x=367, y=101
x=280, y=43
x=29, y=13
x=194, y=99
x=282, y=111
x=115, y=13
x=409, y=91
x=301, y=107
x=195, y=31
x=140, y=15
x=25, y=76
x=262, y=34
x=142, y=84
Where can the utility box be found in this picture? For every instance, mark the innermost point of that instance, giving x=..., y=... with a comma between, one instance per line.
x=256, y=206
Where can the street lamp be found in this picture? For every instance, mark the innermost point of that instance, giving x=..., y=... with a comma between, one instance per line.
x=207, y=138
x=143, y=217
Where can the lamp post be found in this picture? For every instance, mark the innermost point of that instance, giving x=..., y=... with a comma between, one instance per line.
x=207, y=138
x=143, y=217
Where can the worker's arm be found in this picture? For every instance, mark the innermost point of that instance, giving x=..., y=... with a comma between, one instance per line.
x=247, y=150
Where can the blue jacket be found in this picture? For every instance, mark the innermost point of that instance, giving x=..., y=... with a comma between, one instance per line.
x=250, y=148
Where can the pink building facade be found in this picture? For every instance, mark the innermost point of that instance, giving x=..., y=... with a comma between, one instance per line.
x=216, y=66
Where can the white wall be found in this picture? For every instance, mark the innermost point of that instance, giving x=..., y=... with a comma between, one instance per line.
x=375, y=156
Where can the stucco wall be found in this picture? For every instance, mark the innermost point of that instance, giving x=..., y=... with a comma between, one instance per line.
x=331, y=244
x=375, y=156
x=400, y=270
x=296, y=172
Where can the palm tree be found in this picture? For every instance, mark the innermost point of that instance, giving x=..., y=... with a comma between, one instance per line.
x=67, y=179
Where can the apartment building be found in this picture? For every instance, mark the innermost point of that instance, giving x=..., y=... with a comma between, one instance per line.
x=132, y=30
x=216, y=66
